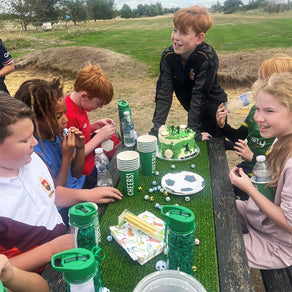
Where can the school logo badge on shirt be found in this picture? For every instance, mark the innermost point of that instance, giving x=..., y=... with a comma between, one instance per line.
x=46, y=187
x=192, y=74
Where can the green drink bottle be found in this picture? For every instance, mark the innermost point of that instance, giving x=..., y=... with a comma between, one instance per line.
x=179, y=237
x=80, y=269
x=84, y=225
x=123, y=106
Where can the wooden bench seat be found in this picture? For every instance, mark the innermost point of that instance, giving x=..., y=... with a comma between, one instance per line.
x=277, y=280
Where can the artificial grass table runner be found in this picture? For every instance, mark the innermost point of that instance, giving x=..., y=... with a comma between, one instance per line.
x=119, y=272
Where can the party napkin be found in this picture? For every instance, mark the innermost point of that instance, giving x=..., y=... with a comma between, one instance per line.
x=139, y=246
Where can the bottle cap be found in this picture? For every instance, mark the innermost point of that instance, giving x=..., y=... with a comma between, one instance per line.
x=77, y=264
x=261, y=158
x=82, y=214
x=98, y=150
x=179, y=218
x=122, y=104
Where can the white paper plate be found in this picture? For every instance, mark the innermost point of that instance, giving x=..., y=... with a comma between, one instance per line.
x=182, y=183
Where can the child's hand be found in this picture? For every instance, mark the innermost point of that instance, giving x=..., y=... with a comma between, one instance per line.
x=6, y=270
x=221, y=115
x=106, y=121
x=101, y=123
x=68, y=144
x=105, y=132
x=79, y=138
x=240, y=179
x=243, y=151
x=104, y=195
x=206, y=136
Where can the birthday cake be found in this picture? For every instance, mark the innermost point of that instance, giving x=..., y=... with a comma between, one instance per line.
x=176, y=143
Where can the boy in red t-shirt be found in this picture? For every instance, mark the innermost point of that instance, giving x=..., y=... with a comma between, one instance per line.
x=92, y=90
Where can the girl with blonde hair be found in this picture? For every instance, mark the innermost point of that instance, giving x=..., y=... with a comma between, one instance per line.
x=266, y=223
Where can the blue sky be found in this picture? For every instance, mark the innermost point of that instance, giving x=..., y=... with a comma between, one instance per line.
x=166, y=3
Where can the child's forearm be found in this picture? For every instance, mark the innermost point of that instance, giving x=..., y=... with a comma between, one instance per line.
x=62, y=176
x=6, y=70
x=23, y=281
x=78, y=162
x=38, y=257
x=66, y=197
x=273, y=211
x=92, y=144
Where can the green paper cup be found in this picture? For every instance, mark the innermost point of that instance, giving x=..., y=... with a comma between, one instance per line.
x=148, y=162
x=129, y=182
x=128, y=163
x=266, y=191
x=146, y=143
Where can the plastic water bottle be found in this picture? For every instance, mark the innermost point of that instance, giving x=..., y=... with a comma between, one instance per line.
x=102, y=166
x=239, y=102
x=261, y=177
x=261, y=171
x=123, y=106
x=128, y=130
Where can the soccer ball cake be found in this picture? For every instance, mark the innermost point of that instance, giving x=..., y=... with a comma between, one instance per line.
x=177, y=142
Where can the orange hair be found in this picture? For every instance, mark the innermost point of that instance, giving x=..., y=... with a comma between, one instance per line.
x=198, y=18
x=94, y=81
x=277, y=64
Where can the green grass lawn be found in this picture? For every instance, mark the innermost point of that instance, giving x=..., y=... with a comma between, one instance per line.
x=145, y=39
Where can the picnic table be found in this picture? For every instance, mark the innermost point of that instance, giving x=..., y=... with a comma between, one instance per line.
x=221, y=260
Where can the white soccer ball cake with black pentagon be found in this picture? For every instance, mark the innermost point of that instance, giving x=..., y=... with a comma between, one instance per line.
x=182, y=183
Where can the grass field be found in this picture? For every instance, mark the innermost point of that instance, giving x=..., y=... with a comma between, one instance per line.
x=144, y=39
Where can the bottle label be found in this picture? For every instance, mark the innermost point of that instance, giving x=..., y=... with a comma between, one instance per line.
x=244, y=99
x=85, y=287
x=102, y=169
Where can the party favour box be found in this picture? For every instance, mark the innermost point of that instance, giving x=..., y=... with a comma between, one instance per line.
x=140, y=246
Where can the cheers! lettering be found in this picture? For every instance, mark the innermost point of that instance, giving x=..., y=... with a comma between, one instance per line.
x=130, y=184
x=153, y=162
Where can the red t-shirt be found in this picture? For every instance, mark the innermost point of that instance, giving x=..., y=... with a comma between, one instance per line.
x=78, y=118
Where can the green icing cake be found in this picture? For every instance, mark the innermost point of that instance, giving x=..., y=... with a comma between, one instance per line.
x=176, y=142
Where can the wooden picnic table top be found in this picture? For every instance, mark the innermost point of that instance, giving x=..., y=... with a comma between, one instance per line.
x=233, y=270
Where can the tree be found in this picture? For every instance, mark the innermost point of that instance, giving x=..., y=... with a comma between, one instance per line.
x=29, y=11
x=231, y=6
x=217, y=7
x=76, y=9
x=24, y=11
x=100, y=9
x=126, y=11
